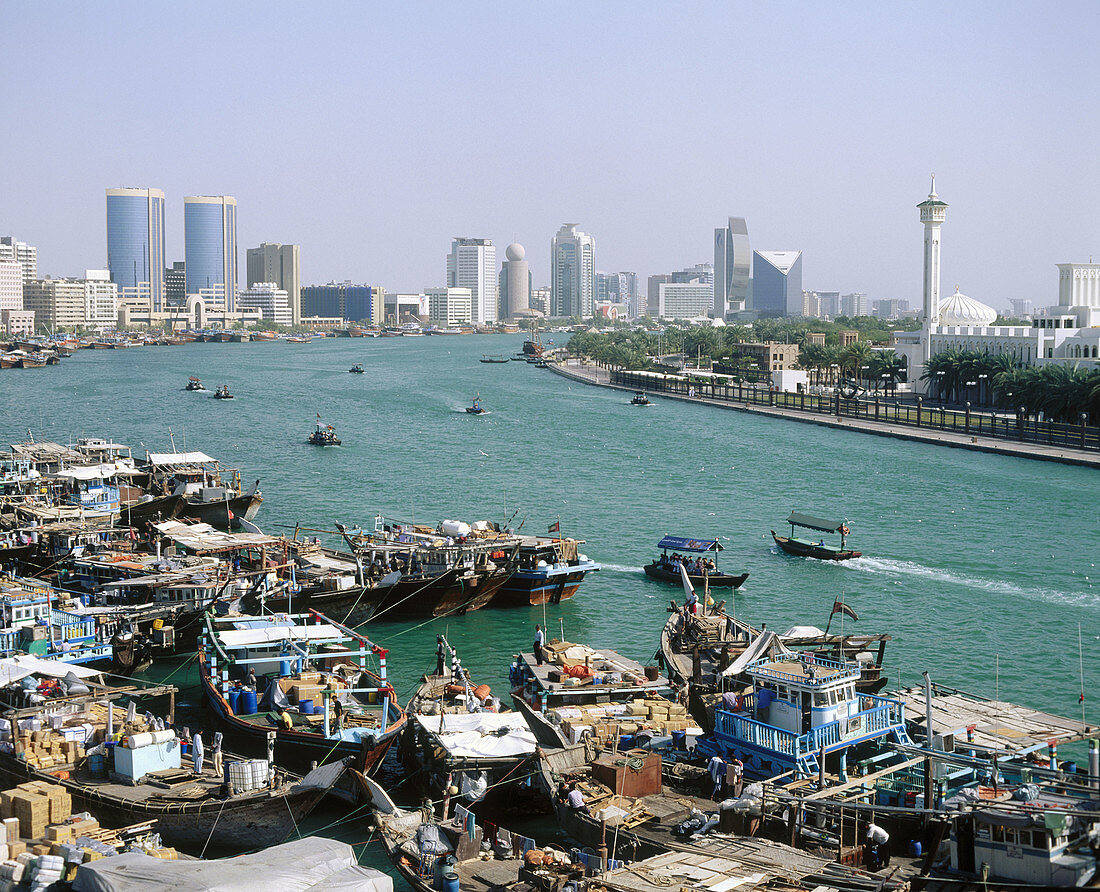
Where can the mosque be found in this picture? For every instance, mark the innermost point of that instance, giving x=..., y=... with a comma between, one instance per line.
x=1067, y=333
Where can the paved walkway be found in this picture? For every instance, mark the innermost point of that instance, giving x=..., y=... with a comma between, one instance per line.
x=587, y=373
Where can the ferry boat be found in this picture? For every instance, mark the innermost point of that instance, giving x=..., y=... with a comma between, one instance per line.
x=194, y=383
x=640, y=399
x=493, y=358
x=357, y=369
x=258, y=672
x=324, y=435
x=808, y=548
x=667, y=569
x=223, y=393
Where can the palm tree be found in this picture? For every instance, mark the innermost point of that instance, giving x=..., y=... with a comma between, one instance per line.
x=854, y=357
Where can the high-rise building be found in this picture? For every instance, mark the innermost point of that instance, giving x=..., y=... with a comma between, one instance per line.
x=343, y=300
x=175, y=285
x=100, y=299
x=572, y=272
x=1021, y=307
x=449, y=307
x=135, y=244
x=777, y=283
x=515, y=282
x=472, y=264
x=272, y=301
x=11, y=285
x=57, y=303
x=653, y=293
x=279, y=264
x=700, y=273
x=682, y=300
x=855, y=304
x=540, y=300
x=323, y=300
x=732, y=268
x=210, y=247
x=27, y=255
x=830, y=303
x=889, y=308
x=811, y=304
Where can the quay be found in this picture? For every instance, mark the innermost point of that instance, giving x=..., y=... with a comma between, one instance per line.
x=589, y=373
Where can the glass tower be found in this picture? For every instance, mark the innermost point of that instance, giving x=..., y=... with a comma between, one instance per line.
x=135, y=243
x=731, y=268
x=210, y=247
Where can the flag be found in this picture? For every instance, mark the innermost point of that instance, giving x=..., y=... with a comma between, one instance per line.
x=840, y=607
x=555, y=527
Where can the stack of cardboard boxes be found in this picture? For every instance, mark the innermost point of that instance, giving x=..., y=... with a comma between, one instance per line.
x=605, y=722
x=49, y=748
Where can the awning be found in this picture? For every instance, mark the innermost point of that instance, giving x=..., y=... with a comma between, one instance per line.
x=98, y=472
x=168, y=459
x=13, y=669
x=237, y=638
x=681, y=543
x=815, y=523
x=481, y=735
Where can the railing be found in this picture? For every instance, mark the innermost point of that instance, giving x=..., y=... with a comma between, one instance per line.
x=1006, y=426
x=73, y=625
x=739, y=727
x=843, y=671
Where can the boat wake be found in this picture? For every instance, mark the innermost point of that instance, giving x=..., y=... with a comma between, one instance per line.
x=888, y=567
x=619, y=568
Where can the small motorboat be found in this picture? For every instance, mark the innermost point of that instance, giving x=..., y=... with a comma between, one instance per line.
x=357, y=369
x=704, y=571
x=194, y=383
x=324, y=435
x=476, y=408
x=640, y=399
x=222, y=393
x=808, y=548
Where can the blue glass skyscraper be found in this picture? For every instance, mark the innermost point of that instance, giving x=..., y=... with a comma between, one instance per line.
x=210, y=247
x=135, y=243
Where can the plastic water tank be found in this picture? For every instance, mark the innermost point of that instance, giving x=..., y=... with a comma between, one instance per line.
x=234, y=698
x=305, y=706
x=455, y=528
x=247, y=702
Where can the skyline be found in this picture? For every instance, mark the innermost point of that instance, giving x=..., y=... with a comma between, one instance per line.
x=819, y=127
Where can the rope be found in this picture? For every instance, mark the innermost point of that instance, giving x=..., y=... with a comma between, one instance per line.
x=293, y=819
x=212, y=827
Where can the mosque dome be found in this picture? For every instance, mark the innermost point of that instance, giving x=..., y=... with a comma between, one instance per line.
x=515, y=251
x=958, y=309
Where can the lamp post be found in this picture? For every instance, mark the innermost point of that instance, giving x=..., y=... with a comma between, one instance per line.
x=864, y=369
x=982, y=387
x=939, y=381
x=1084, y=419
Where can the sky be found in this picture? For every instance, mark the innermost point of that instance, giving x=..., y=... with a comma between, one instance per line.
x=373, y=133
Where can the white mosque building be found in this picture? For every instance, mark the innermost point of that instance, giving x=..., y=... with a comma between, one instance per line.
x=1067, y=333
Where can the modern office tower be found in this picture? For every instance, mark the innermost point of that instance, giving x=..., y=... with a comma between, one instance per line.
x=1021, y=307
x=653, y=292
x=515, y=282
x=272, y=301
x=700, y=273
x=472, y=264
x=11, y=285
x=27, y=255
x=732, y=268
x=57, y=303
x=279, y=264
x=540, y=300
x=449, y=307
x=101, y=299
x=811, y=304
x=682, y=300
x=572, y=272
x=135, y=245
x=777, y=283
x=363, y=303
x=886, y=309
x=607, y=287
x=175, y=285
x=326, y=301
x=829, y=302
x=855, y=304
x=210, y=248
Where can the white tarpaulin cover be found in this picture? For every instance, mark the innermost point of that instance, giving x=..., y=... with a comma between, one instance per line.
x=179, y=458
x=14, y=668
x=309, y=864
x=762, y=646
x=234, y=638
x=97, y=472
x=482, y=735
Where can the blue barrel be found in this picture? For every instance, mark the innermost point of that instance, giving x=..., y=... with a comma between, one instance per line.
x=247, y=702
x=449, y=880
x=1069, y=767
x=626, y=742
x=915, y=848
x=234, y=698
x=305, y=707
x=284, y=668
x=97, y=764
x=679, y=739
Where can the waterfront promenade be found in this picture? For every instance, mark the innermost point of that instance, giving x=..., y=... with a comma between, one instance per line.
x=589, y=373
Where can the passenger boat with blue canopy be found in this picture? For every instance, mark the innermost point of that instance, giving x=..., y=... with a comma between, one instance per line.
x=809, y=548
x=703, y=571
x=305, y=679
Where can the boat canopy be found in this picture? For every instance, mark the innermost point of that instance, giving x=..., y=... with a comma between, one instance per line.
x=253, y=637
x=18, y=667
x=814, y=523
x=681, y=543
x=171, y=459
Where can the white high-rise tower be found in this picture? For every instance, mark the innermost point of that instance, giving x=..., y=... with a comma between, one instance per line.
x=933, y=212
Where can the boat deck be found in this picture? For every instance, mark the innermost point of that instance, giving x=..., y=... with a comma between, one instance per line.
x=997, y=725
x=601, y=661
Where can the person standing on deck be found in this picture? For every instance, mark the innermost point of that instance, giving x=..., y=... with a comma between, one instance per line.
x=693, y=603
x=440, y=655
x=540, y=640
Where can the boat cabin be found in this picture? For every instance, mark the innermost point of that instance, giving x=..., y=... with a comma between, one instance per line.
x=801, y=705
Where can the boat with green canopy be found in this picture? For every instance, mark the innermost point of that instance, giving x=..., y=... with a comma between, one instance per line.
x=808, y=547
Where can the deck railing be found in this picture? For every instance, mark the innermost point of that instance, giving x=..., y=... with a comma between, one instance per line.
x=1002, y=424
x=843, y=671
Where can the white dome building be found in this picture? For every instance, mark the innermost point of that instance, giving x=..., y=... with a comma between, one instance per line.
x=958, y=309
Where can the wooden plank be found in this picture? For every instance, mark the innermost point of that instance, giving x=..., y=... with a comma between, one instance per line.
x=830, y=792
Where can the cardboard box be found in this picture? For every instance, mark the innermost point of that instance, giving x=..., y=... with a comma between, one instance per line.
x=91, y=855
x=87, y=825
x=41, y=849
x=17, y=848
x=11, y=827
x=305, y=692
x=58, y=832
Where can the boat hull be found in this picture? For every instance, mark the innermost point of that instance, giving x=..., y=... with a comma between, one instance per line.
x=214, y=512
x=656, y=571
x=532, y=589
x=450, y=593
x=137, y=514
x=806, y=549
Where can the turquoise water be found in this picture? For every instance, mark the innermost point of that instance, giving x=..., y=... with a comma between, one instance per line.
x=981, y=567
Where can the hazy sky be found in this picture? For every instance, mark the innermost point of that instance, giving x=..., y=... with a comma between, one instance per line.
x=372, y=133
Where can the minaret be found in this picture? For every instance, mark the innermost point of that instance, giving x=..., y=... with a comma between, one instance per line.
x=932, y=214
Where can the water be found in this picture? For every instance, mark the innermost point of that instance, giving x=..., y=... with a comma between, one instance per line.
x=981, y=567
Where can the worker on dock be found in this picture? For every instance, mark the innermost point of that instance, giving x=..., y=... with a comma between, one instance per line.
x=540, y=640
x=875, y=855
